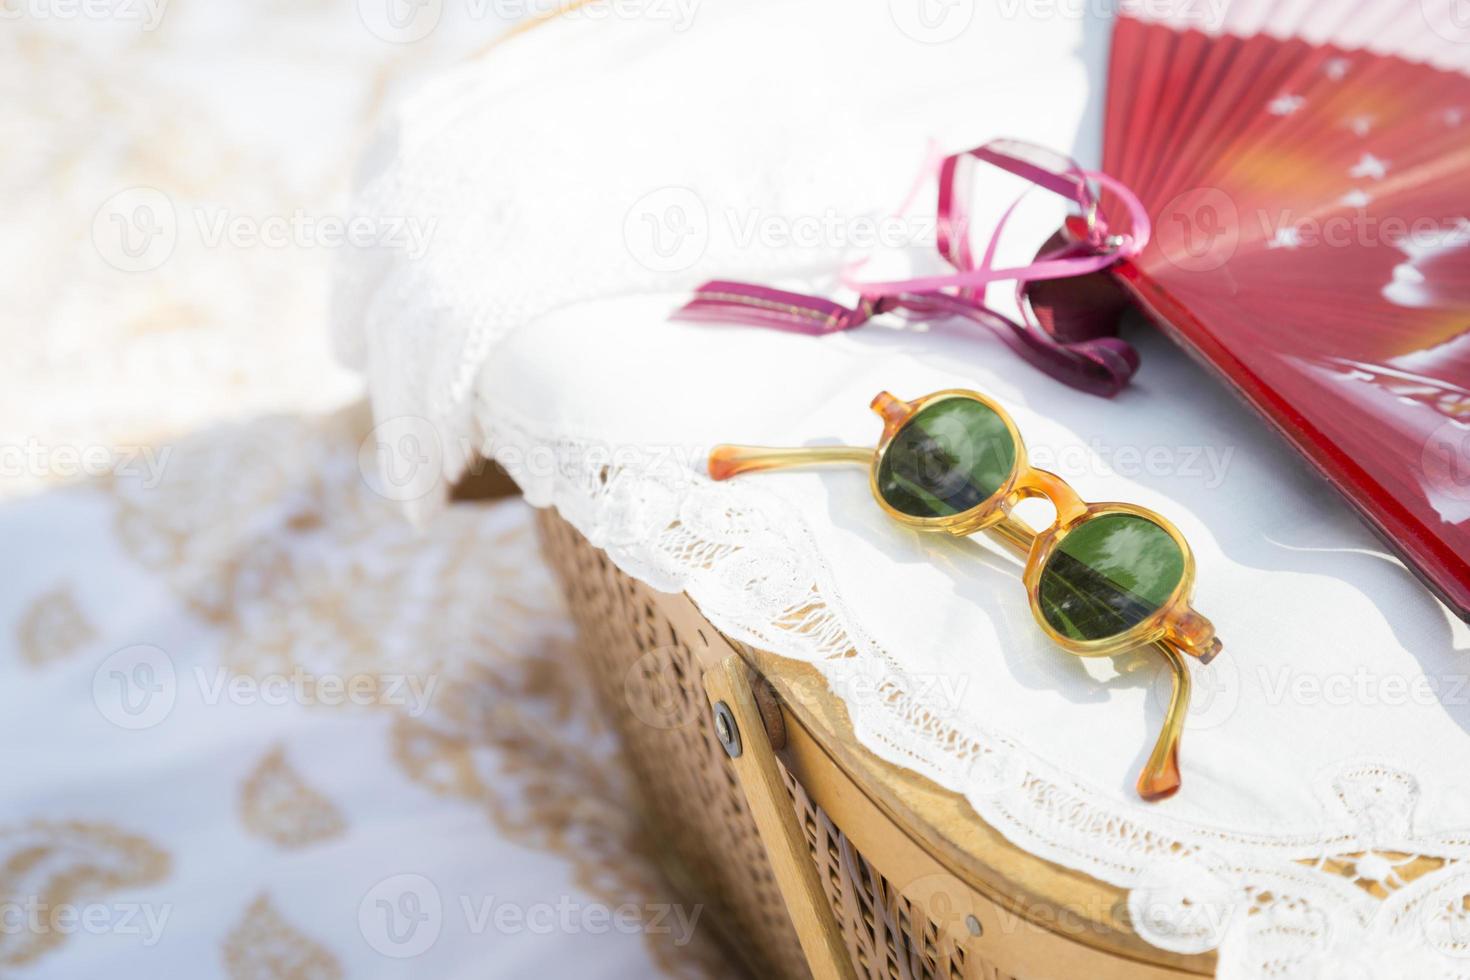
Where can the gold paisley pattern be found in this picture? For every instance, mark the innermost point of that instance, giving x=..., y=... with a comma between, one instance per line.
x=50, y=865
x=278, y=805
x=306, y=570
x=264, y=531
x=275, y=537
x=538, y=760
x=264, y=946
x=52, y=628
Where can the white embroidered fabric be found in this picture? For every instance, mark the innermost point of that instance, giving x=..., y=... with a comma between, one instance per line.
x=584, y=176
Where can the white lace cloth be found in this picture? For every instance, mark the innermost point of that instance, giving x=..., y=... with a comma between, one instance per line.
x=587, y=174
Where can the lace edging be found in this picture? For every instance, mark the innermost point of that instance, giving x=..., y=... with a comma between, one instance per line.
x=1363, y=886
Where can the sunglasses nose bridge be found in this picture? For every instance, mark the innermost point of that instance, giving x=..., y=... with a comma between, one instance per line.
x=1042, y=483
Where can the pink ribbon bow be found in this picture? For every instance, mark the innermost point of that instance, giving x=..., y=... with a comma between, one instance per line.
x=1085, y=359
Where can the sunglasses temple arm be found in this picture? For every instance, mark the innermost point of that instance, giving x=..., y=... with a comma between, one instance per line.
x=1014, y=534
x=1160, y=775
x=728, y=461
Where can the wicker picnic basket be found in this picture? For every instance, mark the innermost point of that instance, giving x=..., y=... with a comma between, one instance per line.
x=812, y=856
x=909, y=883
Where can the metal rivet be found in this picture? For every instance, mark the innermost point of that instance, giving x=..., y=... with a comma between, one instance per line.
x=726, y=730
x=973, y=924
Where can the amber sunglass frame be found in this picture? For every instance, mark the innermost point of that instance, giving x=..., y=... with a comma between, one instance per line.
x=1175, y=629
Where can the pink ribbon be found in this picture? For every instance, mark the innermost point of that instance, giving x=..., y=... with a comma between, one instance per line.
x=1085, y=358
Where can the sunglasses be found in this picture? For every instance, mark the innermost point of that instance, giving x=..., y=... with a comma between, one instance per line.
x=1103, y=578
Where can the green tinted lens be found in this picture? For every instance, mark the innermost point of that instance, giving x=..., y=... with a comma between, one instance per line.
x=1108, y=574
x=952, y=456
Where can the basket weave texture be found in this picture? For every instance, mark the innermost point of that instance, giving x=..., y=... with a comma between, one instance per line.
x=649, y=680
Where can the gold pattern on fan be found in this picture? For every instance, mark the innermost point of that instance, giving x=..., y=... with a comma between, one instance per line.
x=53, y=627
x=61, y=864
x=277, y=804
x=264, y=946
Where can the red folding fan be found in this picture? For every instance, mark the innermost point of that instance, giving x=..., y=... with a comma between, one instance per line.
x=1307, y=167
